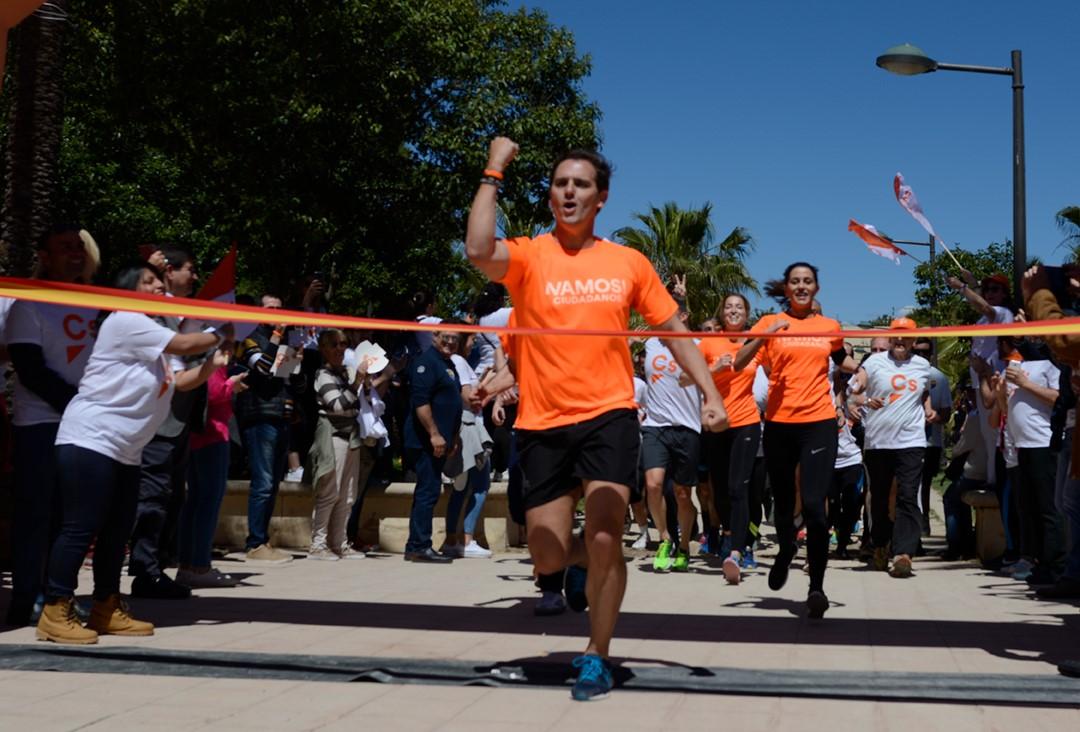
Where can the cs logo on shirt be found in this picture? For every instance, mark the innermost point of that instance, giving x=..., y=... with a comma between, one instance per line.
x=77, y=329
x=901, y=384
x=661, y=364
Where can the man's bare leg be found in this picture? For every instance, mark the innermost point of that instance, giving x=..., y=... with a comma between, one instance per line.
x=605, y=506
x=687, y=513
x=550, y=534
x=654, y=495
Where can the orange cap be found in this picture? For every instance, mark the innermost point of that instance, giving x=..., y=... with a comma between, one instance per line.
x=902, y=324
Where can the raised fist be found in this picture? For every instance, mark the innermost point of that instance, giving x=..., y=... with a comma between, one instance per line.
x=502, y=151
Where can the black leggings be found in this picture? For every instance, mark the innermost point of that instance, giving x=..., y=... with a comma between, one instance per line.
x=731, y=456
x=845, y=501
x=809, y=447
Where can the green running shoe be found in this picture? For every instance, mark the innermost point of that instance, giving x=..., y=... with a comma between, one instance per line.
x=663, y=560
x=682, y=562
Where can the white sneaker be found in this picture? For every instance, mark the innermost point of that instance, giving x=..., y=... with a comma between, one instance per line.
x=208, y=579
x=323, y=555
x=641, y=542
x=347, y=552
x=295, y=475
x=475, y=551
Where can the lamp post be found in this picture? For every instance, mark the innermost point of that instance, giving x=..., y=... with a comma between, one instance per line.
x=908, y=60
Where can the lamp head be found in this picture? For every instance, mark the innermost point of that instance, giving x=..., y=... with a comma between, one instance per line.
x=906, y=60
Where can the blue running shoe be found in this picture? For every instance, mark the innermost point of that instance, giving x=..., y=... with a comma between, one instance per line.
x=594, y=678
x=574, y=587
x=748, y=561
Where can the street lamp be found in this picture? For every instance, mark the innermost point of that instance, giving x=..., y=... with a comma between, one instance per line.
x=908, y=60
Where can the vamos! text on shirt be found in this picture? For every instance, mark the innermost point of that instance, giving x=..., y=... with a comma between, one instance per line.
x=596, y=289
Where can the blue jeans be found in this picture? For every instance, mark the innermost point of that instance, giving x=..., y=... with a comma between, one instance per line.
x=35, y=515
x=479, y=481
x=1067, y=502
x=267, y=446
x=208, y=472
x=99, y=497
x=425, y=496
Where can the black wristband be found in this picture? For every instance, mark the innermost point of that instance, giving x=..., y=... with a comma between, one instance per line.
x=491, y=181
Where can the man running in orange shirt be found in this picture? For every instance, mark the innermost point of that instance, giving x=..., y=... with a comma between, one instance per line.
x=577, y=421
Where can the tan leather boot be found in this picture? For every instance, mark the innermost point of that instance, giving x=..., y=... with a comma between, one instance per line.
x=111, y=617
x=59, y=623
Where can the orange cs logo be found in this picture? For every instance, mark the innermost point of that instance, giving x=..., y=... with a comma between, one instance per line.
x=900, y=384
x=662, y=364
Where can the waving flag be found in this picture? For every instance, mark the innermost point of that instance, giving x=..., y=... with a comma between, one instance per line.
x=221, y=287
x=906, y=198
x=878, y=243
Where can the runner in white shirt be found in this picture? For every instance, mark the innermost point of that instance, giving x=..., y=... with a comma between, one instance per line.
x=846, y=491
x=123, y=398
x=670, y=444
x=896, y=384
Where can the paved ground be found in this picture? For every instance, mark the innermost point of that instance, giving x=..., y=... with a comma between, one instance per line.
x=950, y=618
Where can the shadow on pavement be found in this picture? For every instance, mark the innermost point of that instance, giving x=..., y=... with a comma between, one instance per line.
x=1036, y=640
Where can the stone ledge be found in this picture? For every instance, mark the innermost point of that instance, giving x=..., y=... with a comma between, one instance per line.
x=384, y=517
x=989, y=530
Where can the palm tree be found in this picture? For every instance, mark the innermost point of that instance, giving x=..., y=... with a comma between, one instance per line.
x=515, y=220
x=682, y=242
x=33, y=144
x=1068, y=220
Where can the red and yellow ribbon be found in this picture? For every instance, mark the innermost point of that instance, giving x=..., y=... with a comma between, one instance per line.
x=103, y=298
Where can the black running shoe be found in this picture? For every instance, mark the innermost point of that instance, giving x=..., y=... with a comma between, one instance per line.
x=779, y=572
x=816, y=605
x=574, y=588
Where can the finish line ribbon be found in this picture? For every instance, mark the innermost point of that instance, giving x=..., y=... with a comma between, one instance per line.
x=105, y=298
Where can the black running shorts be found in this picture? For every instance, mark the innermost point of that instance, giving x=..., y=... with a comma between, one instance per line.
x=675, y=449
x=556, y=460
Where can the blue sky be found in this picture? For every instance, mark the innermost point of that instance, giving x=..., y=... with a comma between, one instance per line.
x=776, y=114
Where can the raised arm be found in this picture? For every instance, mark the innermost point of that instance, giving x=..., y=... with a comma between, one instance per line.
x=751, y=347
x=972, y=296
x=487, y=252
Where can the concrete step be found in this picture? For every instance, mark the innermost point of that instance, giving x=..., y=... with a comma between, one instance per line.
x=384, y=517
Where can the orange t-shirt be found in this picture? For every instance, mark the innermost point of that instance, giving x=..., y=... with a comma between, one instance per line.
x=569, y=379
x=736, y=387
x=799, y=369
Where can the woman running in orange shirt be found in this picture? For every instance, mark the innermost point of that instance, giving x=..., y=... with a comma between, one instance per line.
x=800, y=420
x=730, y=454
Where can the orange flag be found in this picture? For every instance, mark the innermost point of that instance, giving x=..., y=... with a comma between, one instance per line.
x=11, y=14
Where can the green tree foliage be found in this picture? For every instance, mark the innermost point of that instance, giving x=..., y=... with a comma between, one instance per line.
x=681, y=241
x=941, y=305
x=345, y=137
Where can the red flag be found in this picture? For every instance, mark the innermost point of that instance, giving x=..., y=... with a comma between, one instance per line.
x=878, y=243
x=221, y=285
